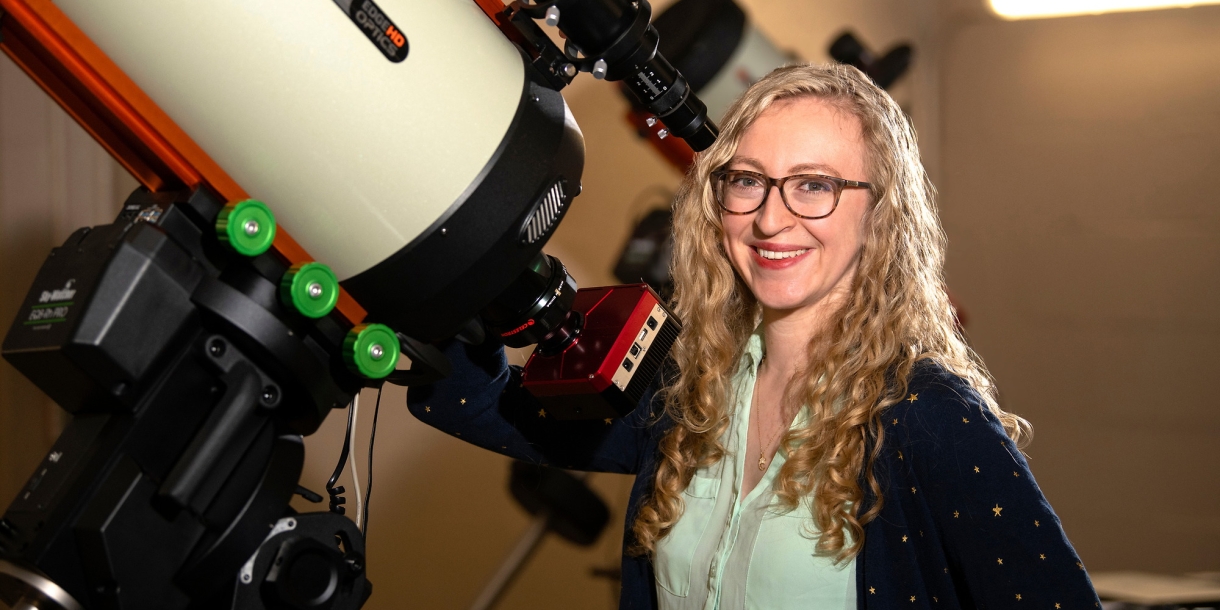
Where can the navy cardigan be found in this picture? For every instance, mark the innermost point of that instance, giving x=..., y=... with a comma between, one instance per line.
x=962, y=524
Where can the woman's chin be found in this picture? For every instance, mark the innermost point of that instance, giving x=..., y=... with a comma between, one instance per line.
x=782, y=303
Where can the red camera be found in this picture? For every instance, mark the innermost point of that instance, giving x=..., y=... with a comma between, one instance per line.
x=626, y=335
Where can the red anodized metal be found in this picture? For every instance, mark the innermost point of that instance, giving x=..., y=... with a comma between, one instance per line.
x=614, y=316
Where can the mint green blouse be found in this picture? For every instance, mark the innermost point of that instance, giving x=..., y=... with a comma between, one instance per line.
x=730, y=554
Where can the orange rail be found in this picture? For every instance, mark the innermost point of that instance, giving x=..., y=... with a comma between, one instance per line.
x=120, y=116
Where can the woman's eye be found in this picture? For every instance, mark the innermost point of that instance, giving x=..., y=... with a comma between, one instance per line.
x=744, y=182
x=814, y=186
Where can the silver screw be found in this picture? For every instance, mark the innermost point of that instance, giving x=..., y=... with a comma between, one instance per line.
x=315, y=290
x=376, y=351
x=590, y=376
x=444, y=231
x=246, y=578
x=664, y=133
x=251, y=227
x=552, y=16
x=568, y=70
x=599, y=69
x=650, y=121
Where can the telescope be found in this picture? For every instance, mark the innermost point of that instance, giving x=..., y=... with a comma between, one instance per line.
x=325, y=187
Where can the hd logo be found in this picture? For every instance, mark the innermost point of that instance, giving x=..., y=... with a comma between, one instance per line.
x=382, y=32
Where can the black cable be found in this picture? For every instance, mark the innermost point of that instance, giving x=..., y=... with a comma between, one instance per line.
x=368, y=489
x=336, y=493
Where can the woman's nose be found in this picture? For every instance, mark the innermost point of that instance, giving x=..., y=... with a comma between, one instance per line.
x=773, y=217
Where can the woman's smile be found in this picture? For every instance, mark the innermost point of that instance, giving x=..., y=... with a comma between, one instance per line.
x=778, y=256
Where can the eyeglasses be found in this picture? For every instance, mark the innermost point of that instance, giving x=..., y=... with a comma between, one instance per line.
x=809, y=196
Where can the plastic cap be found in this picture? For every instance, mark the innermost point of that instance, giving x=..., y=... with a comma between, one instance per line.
x=310, y=288
x=371, y=350
x=248, y=227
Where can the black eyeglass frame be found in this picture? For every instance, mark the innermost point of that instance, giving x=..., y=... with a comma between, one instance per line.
x=840, y=184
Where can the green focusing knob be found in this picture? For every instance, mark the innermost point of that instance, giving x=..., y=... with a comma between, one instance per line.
x=246, y=226
x=371, y=350
x=310, y=288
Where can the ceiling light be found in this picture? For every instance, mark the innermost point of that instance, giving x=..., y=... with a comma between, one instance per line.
x=1032, y=9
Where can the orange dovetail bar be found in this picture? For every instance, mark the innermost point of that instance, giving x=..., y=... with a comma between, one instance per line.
x=121, y=117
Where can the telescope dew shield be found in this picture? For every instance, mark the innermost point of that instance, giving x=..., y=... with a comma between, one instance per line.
x=410, y=174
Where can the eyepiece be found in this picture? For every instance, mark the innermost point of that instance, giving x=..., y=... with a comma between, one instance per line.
x=616, y=36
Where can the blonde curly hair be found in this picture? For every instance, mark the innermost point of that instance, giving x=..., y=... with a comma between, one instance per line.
x=897, y=314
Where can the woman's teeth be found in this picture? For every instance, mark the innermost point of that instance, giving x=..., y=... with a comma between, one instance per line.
x=775, y=256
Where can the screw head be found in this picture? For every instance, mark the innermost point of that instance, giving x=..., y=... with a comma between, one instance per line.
x=251, y=227
x=650, y=121
x=216, y=348
x=314, y=289
x=568, y=70
x=662, y=134
x=599, y=69
x=376, y=351
x=246, y=578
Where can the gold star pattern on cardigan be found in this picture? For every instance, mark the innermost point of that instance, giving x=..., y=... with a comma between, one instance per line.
x=913, y=398
x=965, y=559
x=997, y=510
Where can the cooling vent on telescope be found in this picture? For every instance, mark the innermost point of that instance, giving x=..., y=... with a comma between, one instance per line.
x=544, y=216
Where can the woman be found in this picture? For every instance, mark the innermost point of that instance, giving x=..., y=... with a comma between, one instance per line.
x=826, y=438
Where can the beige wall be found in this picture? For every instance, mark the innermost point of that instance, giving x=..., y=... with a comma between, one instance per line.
x=1081, y=165
x=53, y=179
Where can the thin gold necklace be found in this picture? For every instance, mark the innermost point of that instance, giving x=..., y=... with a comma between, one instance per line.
x=762, y=449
